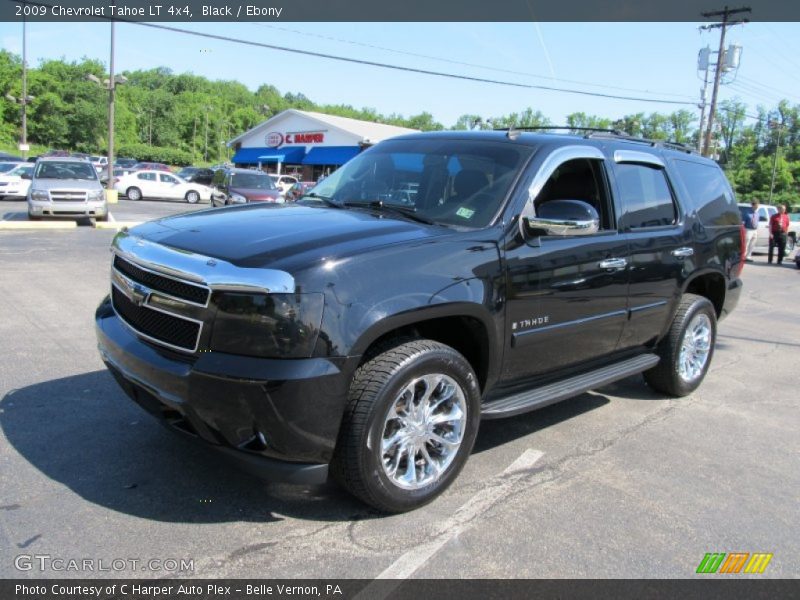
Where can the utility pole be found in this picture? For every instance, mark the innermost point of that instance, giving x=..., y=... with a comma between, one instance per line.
x=205, y=147
x=723, y=26
x=702, y=65
x=779, y=126
x=194, y=136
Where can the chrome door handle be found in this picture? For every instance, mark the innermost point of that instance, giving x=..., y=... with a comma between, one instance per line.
x=682, y=252
x=613, y=263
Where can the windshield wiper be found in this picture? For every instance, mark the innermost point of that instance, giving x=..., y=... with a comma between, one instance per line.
x=406, y=211
x=328, y=201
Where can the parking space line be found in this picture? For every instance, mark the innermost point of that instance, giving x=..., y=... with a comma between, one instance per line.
x=115, y=224
x=411, y=561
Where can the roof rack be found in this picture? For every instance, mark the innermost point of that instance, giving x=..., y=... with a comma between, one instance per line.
x=561, y=127
x=661, y=143
x=601, y=132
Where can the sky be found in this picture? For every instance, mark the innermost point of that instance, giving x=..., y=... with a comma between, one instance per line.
x=643, y=60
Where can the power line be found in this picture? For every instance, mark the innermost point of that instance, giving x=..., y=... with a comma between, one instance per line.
x=765, y=86
x=403, y=68
x=753, y=92
x=466, y=64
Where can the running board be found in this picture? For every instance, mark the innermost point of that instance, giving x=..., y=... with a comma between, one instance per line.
x=561, y=390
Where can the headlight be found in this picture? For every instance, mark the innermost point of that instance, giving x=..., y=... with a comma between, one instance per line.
x=40, y=195
x=267, y=325
x=95, y=196
x=238, y=199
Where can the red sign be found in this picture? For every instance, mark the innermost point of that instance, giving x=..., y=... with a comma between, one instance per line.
x=274, y=139
x=316, y=137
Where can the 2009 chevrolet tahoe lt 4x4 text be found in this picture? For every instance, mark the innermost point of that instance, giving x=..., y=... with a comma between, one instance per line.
x=433, y=281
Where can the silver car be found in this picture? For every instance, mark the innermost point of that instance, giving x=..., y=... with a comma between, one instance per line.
x=66, y=187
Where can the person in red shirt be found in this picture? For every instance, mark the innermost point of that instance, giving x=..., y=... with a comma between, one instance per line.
x=778, y=228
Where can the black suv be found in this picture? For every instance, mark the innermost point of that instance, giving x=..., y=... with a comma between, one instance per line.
x=369, y=329
x=242, y=186
x=199, y=175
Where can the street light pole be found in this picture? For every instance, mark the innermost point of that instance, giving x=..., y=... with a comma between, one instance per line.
x=111, y=92
x=24, y=102
x=773, y=124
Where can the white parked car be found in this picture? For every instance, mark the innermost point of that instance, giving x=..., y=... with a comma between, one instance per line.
x=160, y=184
x=283, y=182
x=16, y=182
x=99, y=162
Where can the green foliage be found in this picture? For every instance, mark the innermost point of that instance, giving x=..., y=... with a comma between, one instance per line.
x=184, y=118
x=143, y=152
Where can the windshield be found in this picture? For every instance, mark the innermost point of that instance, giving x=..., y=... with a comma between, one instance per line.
x=450, y=182
x=253, y=181
x=65, y=170
x=21, y=170
x=5, y=167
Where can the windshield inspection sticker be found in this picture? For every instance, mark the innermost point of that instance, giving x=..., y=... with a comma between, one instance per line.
x=465, y=212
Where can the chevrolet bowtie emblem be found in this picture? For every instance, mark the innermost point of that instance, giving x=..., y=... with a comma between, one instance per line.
x=137, y=293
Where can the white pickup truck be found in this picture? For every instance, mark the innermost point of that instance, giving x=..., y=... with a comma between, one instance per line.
x=765, y=211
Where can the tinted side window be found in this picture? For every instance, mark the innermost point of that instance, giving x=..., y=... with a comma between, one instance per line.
x=147, y=176
x=218, y=177
x=710, y=193
x=646, y=196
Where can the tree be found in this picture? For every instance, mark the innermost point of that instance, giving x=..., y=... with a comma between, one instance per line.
x=580, y=120
x=730, y=119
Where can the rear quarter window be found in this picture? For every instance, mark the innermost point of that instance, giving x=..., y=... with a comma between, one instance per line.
x=709, y=192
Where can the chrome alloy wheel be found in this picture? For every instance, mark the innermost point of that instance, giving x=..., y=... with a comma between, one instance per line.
x=695, y=348
x=423, y=431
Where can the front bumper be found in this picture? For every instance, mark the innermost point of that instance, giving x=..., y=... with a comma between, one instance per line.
x=278, y=418
x=67, y=209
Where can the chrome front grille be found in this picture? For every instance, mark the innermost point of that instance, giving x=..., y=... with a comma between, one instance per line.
x=157, y=326
x=168, y=285
x=159, y=307
x=67, y=196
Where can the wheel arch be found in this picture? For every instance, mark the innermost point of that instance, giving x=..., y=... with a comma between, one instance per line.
x=711, y=285
x=465, y=327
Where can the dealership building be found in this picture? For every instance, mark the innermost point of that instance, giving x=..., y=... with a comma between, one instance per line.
x=307, y=144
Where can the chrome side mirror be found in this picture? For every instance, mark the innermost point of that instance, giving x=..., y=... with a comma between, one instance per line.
x=564, y=217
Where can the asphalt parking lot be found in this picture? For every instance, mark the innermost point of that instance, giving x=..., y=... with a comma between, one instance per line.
x=620, y=482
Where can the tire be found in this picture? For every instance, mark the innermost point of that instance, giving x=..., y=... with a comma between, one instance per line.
x=134, y=193
x=682, y=369
x=385, y=394
x=791, y=242
x=192, y=197
x=102, y=219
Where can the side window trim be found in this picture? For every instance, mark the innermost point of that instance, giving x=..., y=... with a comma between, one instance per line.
x=554, y=160
x=635, y=157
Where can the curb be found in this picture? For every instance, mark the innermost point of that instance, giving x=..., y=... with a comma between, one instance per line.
x=38, y=225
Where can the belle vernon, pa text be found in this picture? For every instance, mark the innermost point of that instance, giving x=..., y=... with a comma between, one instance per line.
x=135, y=589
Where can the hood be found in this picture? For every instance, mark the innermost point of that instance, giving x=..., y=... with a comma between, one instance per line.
x=256, y=193
x=42, y=183
x=281, y=236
